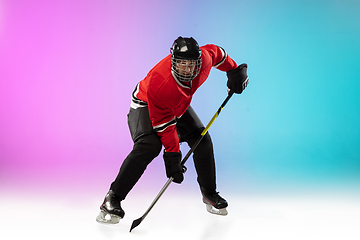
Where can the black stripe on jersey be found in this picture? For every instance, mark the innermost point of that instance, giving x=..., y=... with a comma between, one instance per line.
x=138, y=101
x=162, y=127
x=223, y=58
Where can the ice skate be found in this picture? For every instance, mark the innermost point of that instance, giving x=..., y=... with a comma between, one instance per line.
x=110, y=211
x=215, y=204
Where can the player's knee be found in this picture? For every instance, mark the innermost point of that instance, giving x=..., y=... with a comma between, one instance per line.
x=206, y=141
x=150, y=146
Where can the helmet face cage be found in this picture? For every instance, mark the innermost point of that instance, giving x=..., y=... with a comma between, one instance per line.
x=186, y=70
x=185, y=59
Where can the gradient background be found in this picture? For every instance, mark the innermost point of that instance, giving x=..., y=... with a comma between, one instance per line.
x=67, y=69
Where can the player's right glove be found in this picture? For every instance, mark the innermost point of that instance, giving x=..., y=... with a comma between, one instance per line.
x=173, y=166
x=237, y=78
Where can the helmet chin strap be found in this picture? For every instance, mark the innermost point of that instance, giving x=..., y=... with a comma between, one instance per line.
x=184, y=84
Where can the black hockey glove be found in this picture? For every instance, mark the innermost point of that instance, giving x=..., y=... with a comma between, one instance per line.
x=237, y=78
x=173, y=166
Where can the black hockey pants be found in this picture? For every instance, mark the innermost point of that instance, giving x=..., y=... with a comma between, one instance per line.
x=147, y=146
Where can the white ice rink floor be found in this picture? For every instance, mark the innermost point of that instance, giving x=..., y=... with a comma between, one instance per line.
x=307, y=217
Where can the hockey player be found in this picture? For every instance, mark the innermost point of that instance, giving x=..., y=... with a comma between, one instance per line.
x=161, y=115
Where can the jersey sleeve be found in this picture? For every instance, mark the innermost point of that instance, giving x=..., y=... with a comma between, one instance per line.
x=220, y=59
x=164, y=121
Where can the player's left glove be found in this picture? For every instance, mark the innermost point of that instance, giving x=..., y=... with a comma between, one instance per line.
x=237, y=78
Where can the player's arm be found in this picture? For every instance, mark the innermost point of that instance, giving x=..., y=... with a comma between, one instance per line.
x=220, y=59
x=237, y=75
x=164, y=123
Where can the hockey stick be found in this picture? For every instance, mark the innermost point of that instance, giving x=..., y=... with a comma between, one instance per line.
x=139, y=220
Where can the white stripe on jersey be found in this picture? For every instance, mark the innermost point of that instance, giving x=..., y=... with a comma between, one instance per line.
x=224, y=55
x=163, y=126
x=135, y=105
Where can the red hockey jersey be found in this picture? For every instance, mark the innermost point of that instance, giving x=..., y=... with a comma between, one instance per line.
x=167, y=98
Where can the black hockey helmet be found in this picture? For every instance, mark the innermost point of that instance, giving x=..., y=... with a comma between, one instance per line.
x=185, y=59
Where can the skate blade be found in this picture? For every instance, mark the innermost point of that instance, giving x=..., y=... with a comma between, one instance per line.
x=221, y=211
x=107, y=218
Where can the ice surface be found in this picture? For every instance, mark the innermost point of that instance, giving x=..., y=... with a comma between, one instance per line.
x=250, y=217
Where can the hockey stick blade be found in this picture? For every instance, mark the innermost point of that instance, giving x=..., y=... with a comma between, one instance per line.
x=139, y=220
x=136, y=223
